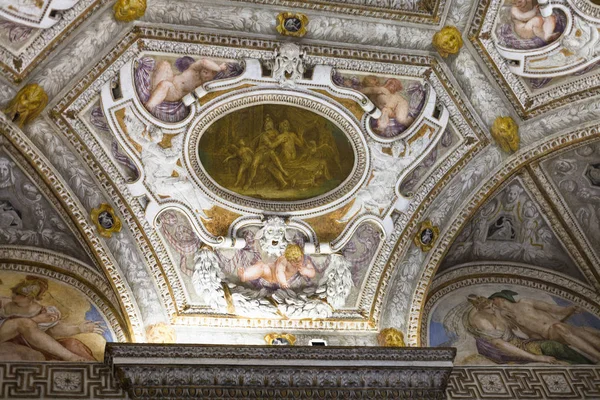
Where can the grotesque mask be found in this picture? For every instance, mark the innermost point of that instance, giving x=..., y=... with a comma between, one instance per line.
x=288, y=66
x=272, y=236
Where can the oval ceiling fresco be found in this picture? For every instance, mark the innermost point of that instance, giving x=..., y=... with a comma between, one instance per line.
x=276, y=152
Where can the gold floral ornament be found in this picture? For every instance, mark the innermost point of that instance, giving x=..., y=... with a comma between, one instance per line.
x=505, y=132
x=391, y=337
x=160, y=333
x=129, y=10
x=29, y=102
x=447, y=41
x=280, y=339
x=426, y=235
x=292, y=24
x=106, y=220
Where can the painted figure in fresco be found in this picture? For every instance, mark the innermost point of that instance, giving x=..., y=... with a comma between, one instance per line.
x=284, y=272
x=288, y=140
x=166, y=86
x=388, y=100
x=32, y=328
x=545, y=321
x=7, y=177
x=10, y=217
x=246, y=155
x=528, y=22
x=265, y=156
x=502, y=340
x=593, y=174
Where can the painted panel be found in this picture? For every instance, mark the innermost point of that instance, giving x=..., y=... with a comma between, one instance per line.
x=509, y=324
x=276, y=152
x=41, y=319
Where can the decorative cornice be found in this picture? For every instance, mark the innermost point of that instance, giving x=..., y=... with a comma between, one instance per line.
x=148, y=371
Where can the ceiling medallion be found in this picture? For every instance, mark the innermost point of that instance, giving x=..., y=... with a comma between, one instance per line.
x=426, y=236
x=292, y=24
x=106, y=221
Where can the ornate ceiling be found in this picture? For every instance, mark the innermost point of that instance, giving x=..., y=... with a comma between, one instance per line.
x=206, y=167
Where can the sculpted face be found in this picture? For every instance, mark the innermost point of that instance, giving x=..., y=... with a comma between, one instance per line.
x=27, y=104
x=506, y=133
x=447, y=41
x=128, y=10
x=272, y=237
x=4, y=172
x=513, y=194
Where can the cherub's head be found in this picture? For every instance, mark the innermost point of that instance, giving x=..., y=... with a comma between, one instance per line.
x=27, y=104
x=160, y=333
x=294, y=254
x=447, y=41
x=513, y=193
x=129, y=10
x=393, y=85
x=506, y=133
x=370, y=81
x=30, y=289
x=391, y=337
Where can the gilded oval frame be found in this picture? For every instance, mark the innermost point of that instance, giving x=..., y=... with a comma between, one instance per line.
x=317, y=104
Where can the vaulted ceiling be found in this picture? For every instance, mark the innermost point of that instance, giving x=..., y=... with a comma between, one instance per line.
x=383, y=211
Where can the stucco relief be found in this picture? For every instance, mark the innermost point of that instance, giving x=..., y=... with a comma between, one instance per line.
x=271, y=276
x=573, y=176
x=27, y=218
x=542, y=57
x=461, y=128
x=511, y=227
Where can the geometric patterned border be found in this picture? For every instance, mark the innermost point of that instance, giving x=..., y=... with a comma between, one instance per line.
x=58, y=381
x=524, y=383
